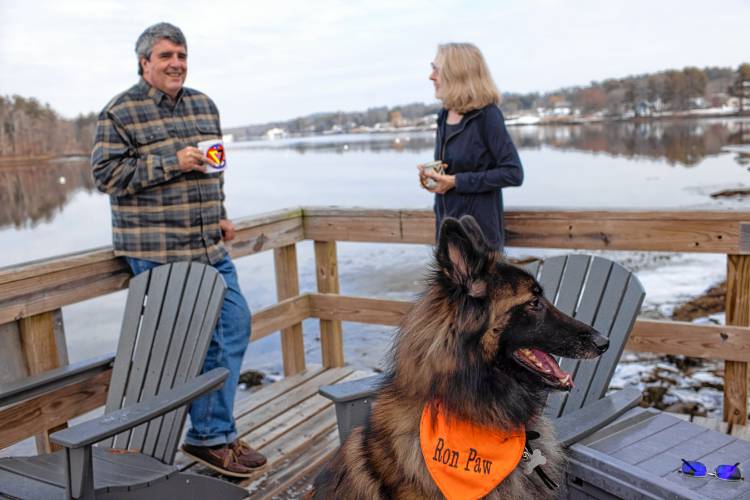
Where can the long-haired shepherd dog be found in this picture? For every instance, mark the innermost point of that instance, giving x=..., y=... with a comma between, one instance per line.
x=469, y=373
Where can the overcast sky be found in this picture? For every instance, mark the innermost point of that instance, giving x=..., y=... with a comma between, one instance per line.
x=272, y=60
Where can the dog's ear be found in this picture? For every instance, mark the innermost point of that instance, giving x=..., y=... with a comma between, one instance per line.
x=462, y=255
x=472, y=229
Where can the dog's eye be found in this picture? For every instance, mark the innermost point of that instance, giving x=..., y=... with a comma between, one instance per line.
x=536, y=304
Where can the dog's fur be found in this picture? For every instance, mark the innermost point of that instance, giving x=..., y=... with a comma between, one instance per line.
x=458, y=345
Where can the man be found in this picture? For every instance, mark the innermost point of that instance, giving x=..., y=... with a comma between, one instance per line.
x=165, y=208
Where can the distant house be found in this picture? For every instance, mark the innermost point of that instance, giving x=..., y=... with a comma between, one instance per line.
x=697, y=102
x=429, y=120
x=558, y=107
x=644, y=108
x=395, y=119
x=562, y=108
x=275, y=133
x=719, y=99
x=335, y=129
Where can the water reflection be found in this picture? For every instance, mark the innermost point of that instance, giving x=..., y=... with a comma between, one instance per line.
x=35, y=192
x=677, y=142
x=684, y=143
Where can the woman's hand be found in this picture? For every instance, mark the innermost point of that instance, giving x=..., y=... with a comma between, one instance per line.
x=422, y=176
x=444, y=183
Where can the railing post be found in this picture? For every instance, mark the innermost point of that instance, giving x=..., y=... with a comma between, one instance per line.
x=41, y=354
x=737, y=313
x=327, y=275
x=287, y=286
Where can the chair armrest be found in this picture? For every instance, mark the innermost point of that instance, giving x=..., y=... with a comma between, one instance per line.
x=52, y=379
x=352, y=390
x=108, y=425
x=575, y=426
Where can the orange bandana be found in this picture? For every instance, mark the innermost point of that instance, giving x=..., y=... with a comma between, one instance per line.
x=464, y=460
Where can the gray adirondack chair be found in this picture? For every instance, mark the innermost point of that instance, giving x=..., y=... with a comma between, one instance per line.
x=594, y=290
x=170, y=314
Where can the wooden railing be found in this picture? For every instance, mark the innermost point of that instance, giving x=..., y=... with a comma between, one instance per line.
x=31, y=295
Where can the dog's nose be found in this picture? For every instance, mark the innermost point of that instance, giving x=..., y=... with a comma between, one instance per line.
x=601, y=342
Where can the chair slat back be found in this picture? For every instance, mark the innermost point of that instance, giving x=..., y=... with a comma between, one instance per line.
x=600, y=293
x=170, y=314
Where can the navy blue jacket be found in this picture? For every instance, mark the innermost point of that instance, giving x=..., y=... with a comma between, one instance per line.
x=484, y=160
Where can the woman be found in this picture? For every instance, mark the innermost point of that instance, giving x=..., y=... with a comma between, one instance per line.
x=472, y=141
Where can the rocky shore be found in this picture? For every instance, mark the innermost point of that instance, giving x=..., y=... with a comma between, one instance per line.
x=680, y=384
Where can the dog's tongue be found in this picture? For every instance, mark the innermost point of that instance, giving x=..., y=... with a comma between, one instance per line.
x=549, y=362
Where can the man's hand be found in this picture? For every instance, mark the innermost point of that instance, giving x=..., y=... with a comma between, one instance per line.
x=228, y=231
x=444, y=182
x=191, y=158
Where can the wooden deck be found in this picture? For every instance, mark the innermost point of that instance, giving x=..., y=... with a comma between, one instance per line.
x=293, y=426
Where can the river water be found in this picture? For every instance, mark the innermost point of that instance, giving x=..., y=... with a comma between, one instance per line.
x=53, y=208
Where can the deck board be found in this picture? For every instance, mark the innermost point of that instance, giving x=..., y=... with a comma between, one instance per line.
x=307, y=410
x=290, y=445
x=295, y=475
x=274, y=390
x=289, y=402
x=290, y=423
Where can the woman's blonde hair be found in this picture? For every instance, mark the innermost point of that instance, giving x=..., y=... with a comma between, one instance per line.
x=465, y=80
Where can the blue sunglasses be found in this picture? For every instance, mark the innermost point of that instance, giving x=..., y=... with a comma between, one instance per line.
x=693, y=468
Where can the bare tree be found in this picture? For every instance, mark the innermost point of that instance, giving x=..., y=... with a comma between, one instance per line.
x=741, y=87
x=28, y=128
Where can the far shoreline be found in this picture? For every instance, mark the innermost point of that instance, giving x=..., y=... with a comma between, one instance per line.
x=542, y=122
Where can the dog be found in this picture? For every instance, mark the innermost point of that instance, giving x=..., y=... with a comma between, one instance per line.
x=476, y=346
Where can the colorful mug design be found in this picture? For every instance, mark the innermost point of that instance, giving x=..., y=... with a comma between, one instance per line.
x=216, y=153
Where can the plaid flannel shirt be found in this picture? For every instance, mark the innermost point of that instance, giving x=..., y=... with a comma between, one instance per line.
x=159, y=213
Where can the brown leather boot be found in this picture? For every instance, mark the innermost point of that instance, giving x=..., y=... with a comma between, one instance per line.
x=222, y=459
x=246, y=455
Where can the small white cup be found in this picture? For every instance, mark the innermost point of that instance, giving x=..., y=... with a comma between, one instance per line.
x=214, y=150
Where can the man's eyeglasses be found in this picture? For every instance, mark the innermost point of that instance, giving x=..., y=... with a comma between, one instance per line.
x=725, y=472
x=435, y=69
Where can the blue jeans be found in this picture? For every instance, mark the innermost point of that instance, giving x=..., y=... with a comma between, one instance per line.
x=211, y=417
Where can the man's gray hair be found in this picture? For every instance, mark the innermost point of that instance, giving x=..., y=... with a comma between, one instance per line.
x=159, y=31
